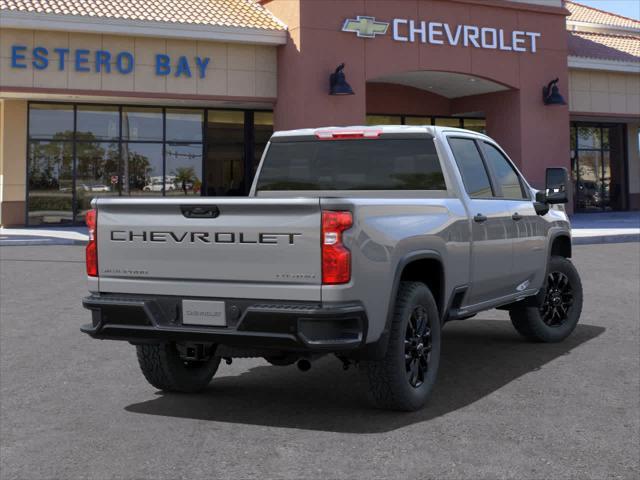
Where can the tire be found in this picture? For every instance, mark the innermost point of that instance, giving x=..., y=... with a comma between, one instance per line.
x=165, y=370
x=392, y=381
x=554, y=313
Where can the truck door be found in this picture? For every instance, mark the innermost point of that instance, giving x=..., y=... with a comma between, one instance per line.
x=529, y=255
x=491, y=225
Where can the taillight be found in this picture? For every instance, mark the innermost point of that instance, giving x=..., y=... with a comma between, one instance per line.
x=92, y=247
x=336, y=259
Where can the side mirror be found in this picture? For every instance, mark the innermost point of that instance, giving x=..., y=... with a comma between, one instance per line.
x=556, y=186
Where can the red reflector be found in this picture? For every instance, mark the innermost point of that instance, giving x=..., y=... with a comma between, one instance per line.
x=91, y=256
x=336, y=258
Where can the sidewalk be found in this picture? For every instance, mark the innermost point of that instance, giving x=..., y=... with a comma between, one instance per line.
x=606, y=227
x=588, y=228
x=43, y=236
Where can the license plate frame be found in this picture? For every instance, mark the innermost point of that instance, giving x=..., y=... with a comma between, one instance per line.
x=209, y=313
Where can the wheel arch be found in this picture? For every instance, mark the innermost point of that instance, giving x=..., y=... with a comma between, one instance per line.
x=424, y=266
x=560, y=245
x=410, y=267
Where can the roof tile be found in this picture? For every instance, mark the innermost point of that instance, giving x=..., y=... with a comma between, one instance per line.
x=582, y=13
x=225, y=13
x=624, y=48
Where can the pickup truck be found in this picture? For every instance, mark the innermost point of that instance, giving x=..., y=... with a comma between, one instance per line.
x=361, y=242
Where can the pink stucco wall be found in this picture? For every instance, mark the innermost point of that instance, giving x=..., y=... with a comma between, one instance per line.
x=534, y=135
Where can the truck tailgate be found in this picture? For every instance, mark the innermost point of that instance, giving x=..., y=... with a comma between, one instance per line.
x=226, y=241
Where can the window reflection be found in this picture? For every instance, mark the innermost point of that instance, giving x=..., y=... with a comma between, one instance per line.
x=97, y=172
x=47, y=121
x=184, y=169
x=142, y=124
x=50, y=172
x=99, y=123
x=184, y=125
x=143, y=169
x=142, y=151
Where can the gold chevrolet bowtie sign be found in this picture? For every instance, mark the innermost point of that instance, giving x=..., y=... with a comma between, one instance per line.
x=365, y=27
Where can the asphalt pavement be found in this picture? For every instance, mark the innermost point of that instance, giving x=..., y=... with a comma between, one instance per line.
x=72, y=407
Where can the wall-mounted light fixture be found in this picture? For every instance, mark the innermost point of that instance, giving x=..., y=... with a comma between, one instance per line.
x=551, y=94
x=338, y=82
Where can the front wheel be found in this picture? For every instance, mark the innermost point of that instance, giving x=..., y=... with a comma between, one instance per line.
x=164, y=367
x=555, y=312
x=404, y=378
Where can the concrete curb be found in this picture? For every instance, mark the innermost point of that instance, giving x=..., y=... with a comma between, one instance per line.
x=630, y=238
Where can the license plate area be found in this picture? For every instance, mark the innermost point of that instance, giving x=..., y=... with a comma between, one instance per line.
x=204, y=312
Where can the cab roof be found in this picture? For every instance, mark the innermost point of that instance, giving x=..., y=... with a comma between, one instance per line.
x=369, y=131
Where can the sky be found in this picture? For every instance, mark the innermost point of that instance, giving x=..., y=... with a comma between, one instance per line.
x=628, y=8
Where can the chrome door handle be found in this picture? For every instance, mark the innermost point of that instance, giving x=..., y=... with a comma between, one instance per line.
x=516, y=216
x=479, y=218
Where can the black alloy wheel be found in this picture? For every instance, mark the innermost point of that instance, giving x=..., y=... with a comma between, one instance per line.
x=417, y=346
x=558, y=300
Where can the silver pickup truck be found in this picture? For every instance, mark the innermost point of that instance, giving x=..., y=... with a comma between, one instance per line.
x=359, y=242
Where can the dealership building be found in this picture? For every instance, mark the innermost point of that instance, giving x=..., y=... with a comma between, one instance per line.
x=179, y=97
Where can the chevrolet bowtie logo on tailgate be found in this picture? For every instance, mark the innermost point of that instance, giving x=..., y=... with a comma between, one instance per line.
x=365, y=27
x=261, y=238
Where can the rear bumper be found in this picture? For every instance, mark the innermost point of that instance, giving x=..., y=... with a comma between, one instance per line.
x=283, y=326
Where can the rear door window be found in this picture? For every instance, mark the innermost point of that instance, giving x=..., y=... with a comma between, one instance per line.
x=362, y=164
x=472, y=168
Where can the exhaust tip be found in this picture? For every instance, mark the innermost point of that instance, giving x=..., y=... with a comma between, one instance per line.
x=304, y=365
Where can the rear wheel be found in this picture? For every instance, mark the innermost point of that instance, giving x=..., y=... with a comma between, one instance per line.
x=404, y=378
x=555, y=312
x=166, y=369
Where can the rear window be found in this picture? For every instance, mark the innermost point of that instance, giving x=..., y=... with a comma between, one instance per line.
x=393, y=164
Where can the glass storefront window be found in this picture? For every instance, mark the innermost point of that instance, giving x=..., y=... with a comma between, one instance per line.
x=50, y=173
x=384, y=120
x=184, y=125
x=51, y=121
x=97, y=123
x=448, y=122
x=476, y=124
x=78, y=152
x=142, y=124
x=143, y=169
x=598, y=167
x=263, y=129
x=184, y=169
x=589, y=137
x=421, y=121
x=97, y=173
x=225, y=153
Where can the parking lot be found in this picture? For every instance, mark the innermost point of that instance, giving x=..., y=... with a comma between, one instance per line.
x=73, y=407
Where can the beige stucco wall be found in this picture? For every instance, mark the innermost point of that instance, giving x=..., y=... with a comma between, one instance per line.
x=236, y=70
x=13, y=160
x=592, y=91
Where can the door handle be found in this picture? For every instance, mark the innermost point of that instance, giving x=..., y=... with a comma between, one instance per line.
x=200, y=211
x=516, y=216
x=479, y=218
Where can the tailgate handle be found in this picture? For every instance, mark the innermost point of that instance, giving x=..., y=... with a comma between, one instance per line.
x=196, y=211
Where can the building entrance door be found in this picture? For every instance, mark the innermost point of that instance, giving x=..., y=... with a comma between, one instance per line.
x=598, y=167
